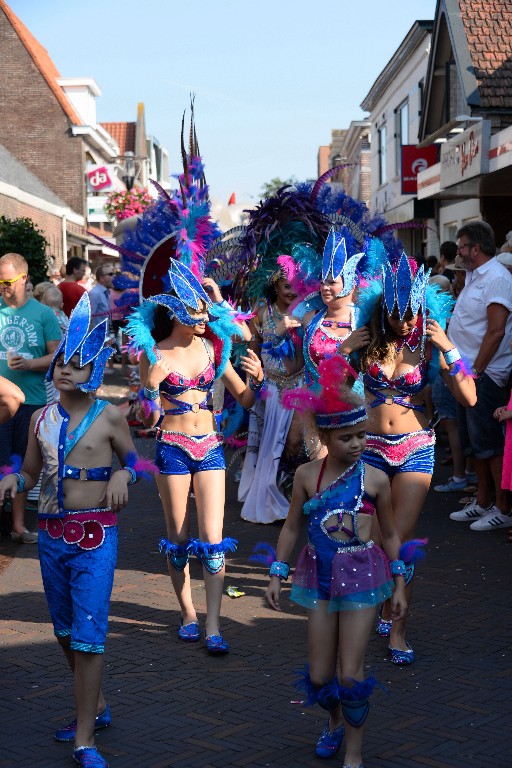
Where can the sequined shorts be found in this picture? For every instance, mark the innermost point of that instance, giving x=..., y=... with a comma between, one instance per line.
x=78, y=584
x=180, y=454
x=412, y=452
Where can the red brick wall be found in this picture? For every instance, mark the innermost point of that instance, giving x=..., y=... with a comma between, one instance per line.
x=49, y=225
x=33, y=125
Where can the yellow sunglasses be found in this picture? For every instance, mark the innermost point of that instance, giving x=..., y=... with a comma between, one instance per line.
x=12, y=280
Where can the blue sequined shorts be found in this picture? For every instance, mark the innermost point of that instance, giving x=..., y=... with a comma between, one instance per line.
x=180, y=454
x=77, y=585
x=411, y=452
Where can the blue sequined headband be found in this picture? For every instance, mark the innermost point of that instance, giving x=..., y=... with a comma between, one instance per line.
x=341, y=418
x=188, y=293
x=88, y=345
x=402, y=289
x=336, y=264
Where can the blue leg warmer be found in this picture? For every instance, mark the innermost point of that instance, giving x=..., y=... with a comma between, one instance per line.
x=354, y=700
x=326, y=696
x=212, y=556
x=177, y=554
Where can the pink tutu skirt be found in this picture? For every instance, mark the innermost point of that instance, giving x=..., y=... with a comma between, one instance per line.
x=350, y=578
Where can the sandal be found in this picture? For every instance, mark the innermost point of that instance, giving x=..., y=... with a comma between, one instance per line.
x=68, y=732
x=189, y=633
x=402, y=658
x=329, y=742
x=89, y=757
x=383, y=626
x=216, y=645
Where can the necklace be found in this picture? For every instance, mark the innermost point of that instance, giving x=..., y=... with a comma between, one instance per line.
x=335, y=324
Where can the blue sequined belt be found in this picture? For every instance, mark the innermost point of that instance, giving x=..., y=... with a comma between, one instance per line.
x=81, y=473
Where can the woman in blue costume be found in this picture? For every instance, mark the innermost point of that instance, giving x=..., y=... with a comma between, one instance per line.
x=341, y=575
x=178, y=367
x=408, y=349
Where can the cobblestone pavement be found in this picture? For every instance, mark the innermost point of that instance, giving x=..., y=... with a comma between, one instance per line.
x=174, y=706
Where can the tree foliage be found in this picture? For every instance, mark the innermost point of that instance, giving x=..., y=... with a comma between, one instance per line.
x=270, y=187
x=24, y=237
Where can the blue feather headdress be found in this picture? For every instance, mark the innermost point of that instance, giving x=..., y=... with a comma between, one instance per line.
x=337, y=264
x=89, y=345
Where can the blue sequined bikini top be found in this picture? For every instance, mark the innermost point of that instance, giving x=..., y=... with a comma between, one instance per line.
x=176, y=383
x=409, y=384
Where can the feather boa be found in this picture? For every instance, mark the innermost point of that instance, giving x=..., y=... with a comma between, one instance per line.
x=14, y=466
x=204, y=548
x=263, y=554
x=412, y=551
x=143, y=467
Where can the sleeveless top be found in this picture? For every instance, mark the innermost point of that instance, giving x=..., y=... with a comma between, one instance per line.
x=176, y=384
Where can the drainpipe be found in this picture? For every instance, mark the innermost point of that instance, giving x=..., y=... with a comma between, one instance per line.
x=64, y=240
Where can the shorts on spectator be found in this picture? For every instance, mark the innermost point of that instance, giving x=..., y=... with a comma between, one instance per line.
x=481, y=435
x=444, y=402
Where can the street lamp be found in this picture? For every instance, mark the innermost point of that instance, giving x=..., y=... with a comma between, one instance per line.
x=129, y=170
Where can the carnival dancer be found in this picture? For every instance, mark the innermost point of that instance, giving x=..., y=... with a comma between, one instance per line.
x=333, y=330
x=274, y=434
x=341, y=575
x=73, y=442
x=178, y=367
x=408, y=349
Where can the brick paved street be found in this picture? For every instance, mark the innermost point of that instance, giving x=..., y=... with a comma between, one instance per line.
x=174, y=706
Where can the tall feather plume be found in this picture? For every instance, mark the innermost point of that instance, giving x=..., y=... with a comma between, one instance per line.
x=325, y=177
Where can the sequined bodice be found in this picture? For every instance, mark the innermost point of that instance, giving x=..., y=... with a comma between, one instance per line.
x=408, y=384
x=176, y=383
x=323, y=344
x=342, y=500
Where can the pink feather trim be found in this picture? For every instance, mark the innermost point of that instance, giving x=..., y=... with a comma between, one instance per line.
x=143, y=466
x=235, y=442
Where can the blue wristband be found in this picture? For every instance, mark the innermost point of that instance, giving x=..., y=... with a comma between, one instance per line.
x=397, y=567
x=451, y=356
x=21, y=482
x=151, y=394
x=133, y=475
x=280, y=569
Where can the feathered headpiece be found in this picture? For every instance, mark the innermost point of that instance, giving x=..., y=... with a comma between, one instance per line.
x=330, y=409
x=336, y=264
x=187, y=293
x=403, y=289
x=88, y=345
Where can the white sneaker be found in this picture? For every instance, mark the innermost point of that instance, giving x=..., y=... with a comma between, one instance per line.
x=471, y=511
x=493, y=518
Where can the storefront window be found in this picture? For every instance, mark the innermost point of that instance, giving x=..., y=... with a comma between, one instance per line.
x=402, y=134
x=382, y=155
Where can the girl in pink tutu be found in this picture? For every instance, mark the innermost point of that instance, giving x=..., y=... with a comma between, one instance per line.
x=341, y=575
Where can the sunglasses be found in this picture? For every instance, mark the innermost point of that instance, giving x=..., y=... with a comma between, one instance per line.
x=7, y=283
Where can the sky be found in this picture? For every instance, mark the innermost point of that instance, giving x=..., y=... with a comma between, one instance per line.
x=272, y=78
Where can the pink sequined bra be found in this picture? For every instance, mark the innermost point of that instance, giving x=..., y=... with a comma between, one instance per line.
x=407, y=385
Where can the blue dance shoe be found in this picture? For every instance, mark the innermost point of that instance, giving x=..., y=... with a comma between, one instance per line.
x=402, y=658
x=329, y=742
x=189, y=633
x=89, y=757
x=383, y=626
x=216, y=645
x=68, y=732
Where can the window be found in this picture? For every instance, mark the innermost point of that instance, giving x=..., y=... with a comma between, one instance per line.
x=402, y=134
x=382, y=154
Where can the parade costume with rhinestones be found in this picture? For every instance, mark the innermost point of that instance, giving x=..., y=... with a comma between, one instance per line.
x=349, y=573
x=77, y=547
x=284, y=238
x=400, y=290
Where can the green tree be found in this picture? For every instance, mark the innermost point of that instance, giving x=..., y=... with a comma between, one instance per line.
x=270, y=187
x=24, y=237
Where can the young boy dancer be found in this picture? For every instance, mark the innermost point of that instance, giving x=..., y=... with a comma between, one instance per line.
x=73, y=442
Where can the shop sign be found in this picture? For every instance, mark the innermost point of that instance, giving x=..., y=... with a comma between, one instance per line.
x=415, y=160
x=100, y=177
x=466, y=155
x=96, y=208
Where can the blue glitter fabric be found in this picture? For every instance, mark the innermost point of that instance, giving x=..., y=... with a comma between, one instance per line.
x=77, y=585
x=402, y=289
x=336, y=263
x=173, y=460
x=88, y=345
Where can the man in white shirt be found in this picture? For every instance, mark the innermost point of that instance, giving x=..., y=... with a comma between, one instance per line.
x=481, y=329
